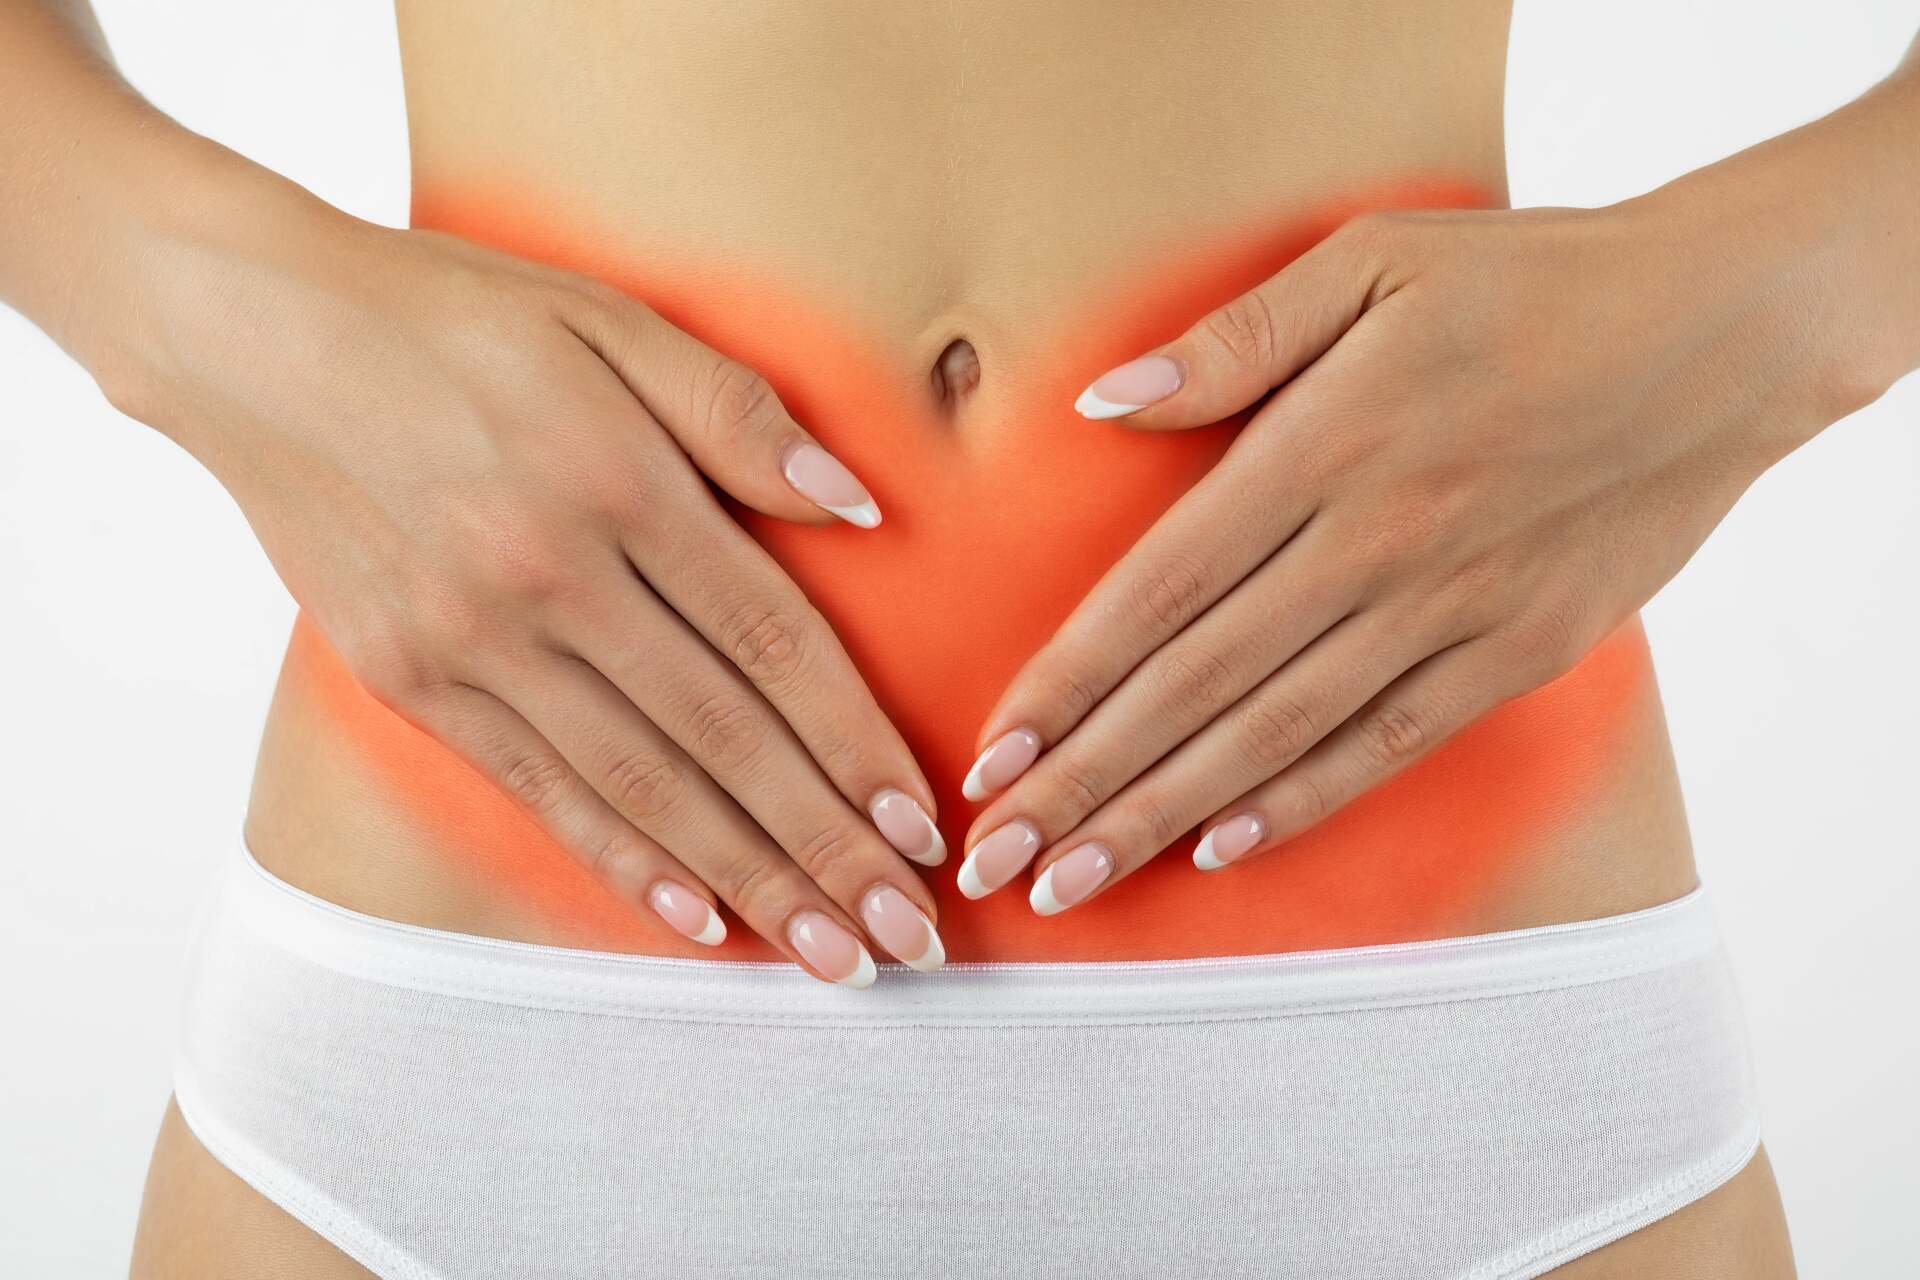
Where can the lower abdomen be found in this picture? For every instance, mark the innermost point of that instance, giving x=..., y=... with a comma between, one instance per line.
x=1558, y=805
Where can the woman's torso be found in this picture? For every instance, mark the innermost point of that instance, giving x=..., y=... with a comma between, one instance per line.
x=836, y=192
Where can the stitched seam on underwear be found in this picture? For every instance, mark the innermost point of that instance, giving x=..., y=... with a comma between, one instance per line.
x=1603, y=1226
x=754, y=1012
x=340, y=917
x=264, y=1174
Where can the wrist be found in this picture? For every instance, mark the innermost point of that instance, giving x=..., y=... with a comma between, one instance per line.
x=174, y=268
x=1809, y=239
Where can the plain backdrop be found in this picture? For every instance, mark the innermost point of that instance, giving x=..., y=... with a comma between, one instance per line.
x=140, y=629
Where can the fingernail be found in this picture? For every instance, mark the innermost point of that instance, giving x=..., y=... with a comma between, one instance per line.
x=998, y=858
x=688, y=912
x=831, y=949
x=1228, y=840
x=820, y=478
x=900, y=927
x=907, y=827
x=1004, y=760
x=1133, y=386
x=1071, y=879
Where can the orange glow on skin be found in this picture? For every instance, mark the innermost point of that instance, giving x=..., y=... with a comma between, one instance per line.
x=994, y=530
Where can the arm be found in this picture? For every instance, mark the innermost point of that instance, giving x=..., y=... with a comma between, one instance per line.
x=1487, y=437
x=446, y=454
x=78, y=152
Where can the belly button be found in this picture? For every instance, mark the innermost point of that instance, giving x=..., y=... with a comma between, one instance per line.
x=956, y=372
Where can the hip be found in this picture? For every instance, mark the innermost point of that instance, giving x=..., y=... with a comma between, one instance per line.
x=1487, y=1106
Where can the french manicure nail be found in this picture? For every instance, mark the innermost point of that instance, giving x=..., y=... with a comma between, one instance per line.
x=907, y=827
x=1005, y=759
x=1229, y=840
x=1129, y=388
x=998, y=858
x=831, y=949
x=687, y=912
x=821, y=479
x=1071, y=879
x=900, y=927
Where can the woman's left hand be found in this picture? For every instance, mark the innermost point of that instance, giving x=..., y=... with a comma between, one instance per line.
x=1495, y=435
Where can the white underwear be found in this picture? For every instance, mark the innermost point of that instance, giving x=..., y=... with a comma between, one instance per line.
x=444, y=1107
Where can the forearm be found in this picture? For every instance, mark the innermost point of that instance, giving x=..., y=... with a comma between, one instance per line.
x=1826, y=214
x=99, y=191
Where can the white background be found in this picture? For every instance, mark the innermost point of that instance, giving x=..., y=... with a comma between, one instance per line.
x=140, y=629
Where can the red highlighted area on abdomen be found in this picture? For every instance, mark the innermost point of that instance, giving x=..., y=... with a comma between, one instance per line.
x=995, y=527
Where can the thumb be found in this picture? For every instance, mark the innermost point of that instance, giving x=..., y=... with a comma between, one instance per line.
x=1240, y=351
x=725, y=416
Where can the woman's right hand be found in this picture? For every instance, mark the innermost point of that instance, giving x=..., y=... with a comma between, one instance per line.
x=486, y=480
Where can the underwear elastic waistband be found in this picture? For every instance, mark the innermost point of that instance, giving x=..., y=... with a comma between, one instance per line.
x=1038, y=993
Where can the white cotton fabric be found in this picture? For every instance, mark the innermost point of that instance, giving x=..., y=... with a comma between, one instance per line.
x=443, y=1107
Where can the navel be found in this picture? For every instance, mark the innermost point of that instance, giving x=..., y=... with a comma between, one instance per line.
x=955, y=373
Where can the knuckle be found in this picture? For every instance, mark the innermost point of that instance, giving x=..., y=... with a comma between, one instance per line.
x=755, y=886
x=645, y=786
x=386, y=661
x=1168, y=593
x=769, y=645
x=1076, y=787
x=1393, y=735
x=1152, y=815
x=627, y=313
x=1070, y=691
x=842, y=756
x=1369, y=233
x=537, y=780
x=1194, y=680
x=1246, y=329
x=514, y=556
x=1306, y=800
x=726, y=732
x=1402, y=535
x=832, y=853
x=458, y=623
x=1274, y=731
x=611, y=856
x=736, y=399
x=1545, y=640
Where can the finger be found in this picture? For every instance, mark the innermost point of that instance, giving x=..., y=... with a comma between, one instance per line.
x=1235, y=518
x=713, y=716
x=1240, y=351
x=1408, y=719
x=651, y=781
x=1280, y=609
x=749, y=612
x=500, y=743
x=1265, y=732
x=723, y=414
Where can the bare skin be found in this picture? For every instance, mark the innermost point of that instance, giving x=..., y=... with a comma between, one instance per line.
x=918, y=223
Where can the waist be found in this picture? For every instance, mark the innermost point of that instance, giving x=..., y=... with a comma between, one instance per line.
x=1275, y=985
x=1000, y=516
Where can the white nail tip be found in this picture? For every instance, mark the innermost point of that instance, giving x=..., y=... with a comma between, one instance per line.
x=933, y=957
x=969, y=879
x=1041, y=898
x=936, y=853
x=714, y=931
x=973, y=788
x=862, y=976
x=864, y=516
x=1204, y=856
x=1092, y=406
